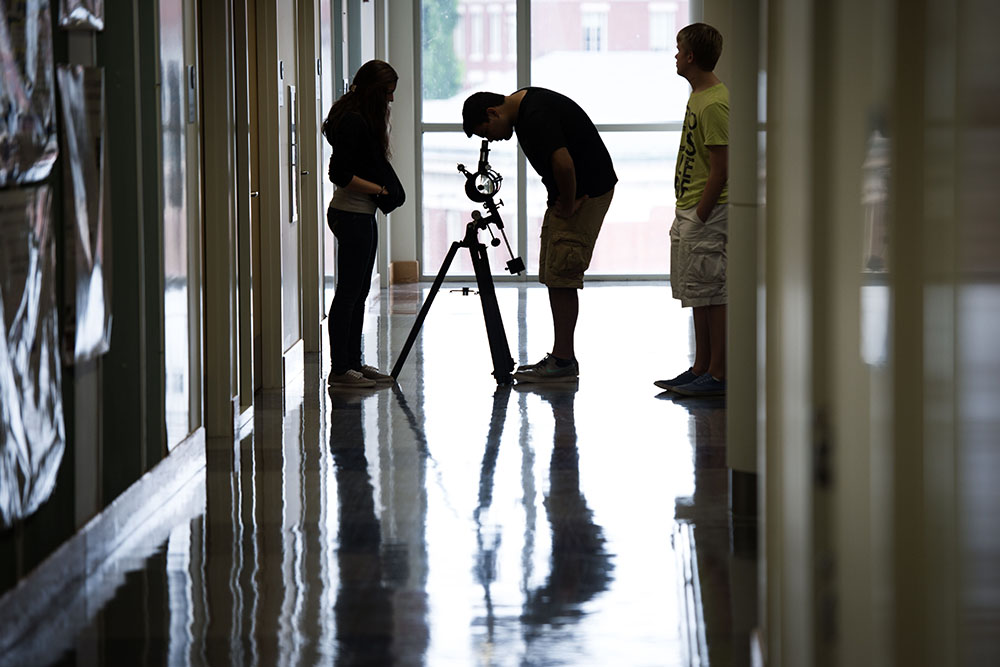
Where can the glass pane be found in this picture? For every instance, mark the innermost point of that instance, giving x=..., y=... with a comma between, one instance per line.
x=616, y=60
x=467, y=46
x=447, y=209
x=634, y=239
x=177, y=224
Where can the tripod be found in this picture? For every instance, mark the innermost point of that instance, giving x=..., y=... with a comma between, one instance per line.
x=480, y=187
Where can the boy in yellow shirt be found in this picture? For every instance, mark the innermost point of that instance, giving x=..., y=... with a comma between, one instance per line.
x=699, y=234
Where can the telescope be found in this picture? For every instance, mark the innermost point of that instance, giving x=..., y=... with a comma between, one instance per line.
x=484, y=182
x=481, y=186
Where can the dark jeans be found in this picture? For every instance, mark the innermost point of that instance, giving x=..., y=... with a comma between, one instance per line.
x=357, y=237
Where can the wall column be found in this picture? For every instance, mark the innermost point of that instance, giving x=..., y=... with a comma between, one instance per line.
x=397, y=45
x=221, y=408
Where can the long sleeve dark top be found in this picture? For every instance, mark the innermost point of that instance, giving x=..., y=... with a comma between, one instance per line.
x=355, y=151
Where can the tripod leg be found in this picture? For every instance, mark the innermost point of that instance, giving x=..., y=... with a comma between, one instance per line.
x=445, y=265
x=503, y=363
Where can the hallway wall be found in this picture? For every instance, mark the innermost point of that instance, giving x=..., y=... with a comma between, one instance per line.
x=147, y=396
x=881, y=247
x=114, y=404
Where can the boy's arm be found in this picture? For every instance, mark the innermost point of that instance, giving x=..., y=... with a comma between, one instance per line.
x=564, y=174
x=718, y=173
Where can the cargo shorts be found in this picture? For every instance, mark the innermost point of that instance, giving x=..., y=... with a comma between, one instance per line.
x=698, y=257
x=568, y=243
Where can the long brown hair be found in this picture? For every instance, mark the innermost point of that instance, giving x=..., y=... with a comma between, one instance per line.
x=368, y=96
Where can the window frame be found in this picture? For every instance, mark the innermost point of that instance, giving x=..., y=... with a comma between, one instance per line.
x=522, y=21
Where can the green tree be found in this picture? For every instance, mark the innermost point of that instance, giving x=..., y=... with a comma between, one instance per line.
x=441, y=70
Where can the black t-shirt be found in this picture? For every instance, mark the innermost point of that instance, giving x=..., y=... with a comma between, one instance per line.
x=548, y=121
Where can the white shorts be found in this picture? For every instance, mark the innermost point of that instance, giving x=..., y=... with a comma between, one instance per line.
x=698, y=257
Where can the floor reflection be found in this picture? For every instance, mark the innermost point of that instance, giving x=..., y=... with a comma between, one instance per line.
x=580, y=565
x=448, y=521
x=364, y=605
x=487, y=535
x=720, y=557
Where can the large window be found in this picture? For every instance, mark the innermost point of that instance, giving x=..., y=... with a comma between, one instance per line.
x=616, y=59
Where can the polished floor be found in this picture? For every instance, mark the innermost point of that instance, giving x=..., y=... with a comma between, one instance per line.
x=449, y=521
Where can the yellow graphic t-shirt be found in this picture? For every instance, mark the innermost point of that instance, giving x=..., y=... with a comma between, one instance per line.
x=706, y=123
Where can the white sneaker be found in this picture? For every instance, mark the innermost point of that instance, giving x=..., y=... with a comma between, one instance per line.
x=375, y=374
x=350, y=379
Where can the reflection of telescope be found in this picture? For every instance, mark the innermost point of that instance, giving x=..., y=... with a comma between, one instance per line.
x=480, y=187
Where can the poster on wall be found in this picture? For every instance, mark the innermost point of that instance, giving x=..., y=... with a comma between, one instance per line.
x=32, y=432
x=81, y=14
x=28, y=142
x=88, y=312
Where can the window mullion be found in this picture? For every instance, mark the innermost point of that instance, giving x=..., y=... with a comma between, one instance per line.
x=523, y=80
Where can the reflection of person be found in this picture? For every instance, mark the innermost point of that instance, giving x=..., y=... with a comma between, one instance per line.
x=358, y=129
x=364, y=606
x=723, y=541
x=564, y=147
x=699, y=233
x=581, y=566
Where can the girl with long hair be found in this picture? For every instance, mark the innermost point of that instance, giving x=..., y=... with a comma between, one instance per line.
x=357, y=127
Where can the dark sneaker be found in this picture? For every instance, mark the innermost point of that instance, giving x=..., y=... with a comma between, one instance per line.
x=375, y=374
x=704, y=385
x=684, y=378
x=349, y=379
x=547, y=370
x=525, y=367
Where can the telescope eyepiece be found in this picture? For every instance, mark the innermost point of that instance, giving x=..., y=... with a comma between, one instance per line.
x=484, y=157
